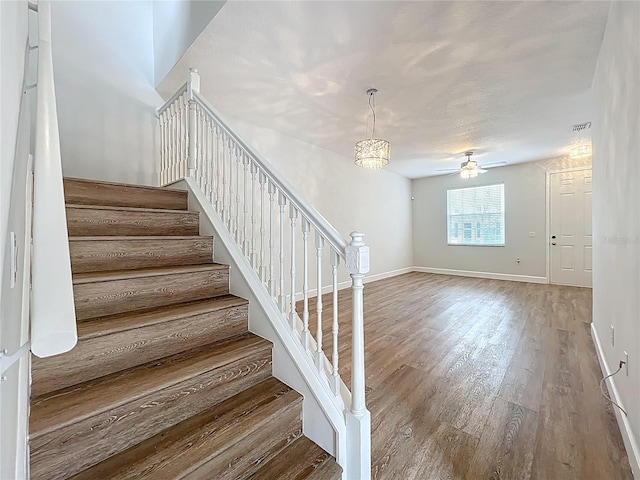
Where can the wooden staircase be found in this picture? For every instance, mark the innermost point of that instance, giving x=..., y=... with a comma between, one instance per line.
x=166, y=381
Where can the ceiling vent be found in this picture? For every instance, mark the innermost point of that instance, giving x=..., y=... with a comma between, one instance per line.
x=580, y=126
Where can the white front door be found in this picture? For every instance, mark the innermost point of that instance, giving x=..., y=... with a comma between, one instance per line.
x=570, y=228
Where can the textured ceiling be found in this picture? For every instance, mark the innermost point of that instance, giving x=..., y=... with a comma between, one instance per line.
x=506, y=79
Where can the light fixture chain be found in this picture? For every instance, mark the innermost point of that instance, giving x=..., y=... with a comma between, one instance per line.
x=372, y=106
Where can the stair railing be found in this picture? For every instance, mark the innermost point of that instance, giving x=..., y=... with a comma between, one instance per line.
x=251, y=199
x=53, y=317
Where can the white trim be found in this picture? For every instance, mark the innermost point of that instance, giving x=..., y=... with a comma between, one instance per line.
x=347, y=283
x=490, y=275
x=568, y=170
x=284, y=339
x=633, y=450
x=547, y=213
x=7, y=361
x=389, y=274
x=547, y=198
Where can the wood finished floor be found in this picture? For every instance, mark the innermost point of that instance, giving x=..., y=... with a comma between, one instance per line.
x=481, y=379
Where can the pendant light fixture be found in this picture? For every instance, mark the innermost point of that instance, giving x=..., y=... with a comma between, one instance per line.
x=372, y=152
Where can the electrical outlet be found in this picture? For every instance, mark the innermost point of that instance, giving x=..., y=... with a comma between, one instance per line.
x=518, y=260
x=613, y=336
x=626, y=363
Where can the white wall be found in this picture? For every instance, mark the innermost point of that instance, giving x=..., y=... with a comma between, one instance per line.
x=525, y=211
x=616, y=207
x=376, y=203
x=13, y=38
x=103, y=65
x=176, y=24
x=14, y=148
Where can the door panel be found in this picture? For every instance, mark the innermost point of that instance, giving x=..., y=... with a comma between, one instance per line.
x=571, y=228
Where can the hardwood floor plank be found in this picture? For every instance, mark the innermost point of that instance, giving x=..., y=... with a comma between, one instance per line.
x=506, y=446
x=510, y=364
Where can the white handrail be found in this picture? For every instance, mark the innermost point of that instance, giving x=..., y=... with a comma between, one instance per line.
x=197, y=144
x=310, y=213
x=53, y=318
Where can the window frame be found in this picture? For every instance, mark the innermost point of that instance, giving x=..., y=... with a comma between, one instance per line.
x=462, y=243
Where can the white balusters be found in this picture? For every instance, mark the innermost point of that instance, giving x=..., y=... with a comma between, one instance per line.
x=282, y=201
x=223, y=151
x=231, y=218
x=293, y=215
x=319, y=353
x=305, y=284
x=238, y=231
x=242, y=188
x=218, y=183
x=245, y=238
x=161, y=122
x=173, y=142
x=335, y=376
x=210, y=160
x=263, y=267
x=272, y=278
x=254, y=254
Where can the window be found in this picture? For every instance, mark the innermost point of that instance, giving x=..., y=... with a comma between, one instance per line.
x=480, y=207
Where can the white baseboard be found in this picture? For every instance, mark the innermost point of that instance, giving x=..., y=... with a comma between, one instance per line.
x=392, y=273
x=346, y=284
x=633, y=451
x=490, y=275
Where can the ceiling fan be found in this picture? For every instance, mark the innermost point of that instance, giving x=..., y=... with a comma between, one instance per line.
x=470, y=168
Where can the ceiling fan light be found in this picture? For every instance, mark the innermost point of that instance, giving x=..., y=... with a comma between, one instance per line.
x=473, y=173
x=465, y=173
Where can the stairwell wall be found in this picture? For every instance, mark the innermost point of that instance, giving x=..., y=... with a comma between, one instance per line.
x=377, y=203
x=104, y=71
x=15, y=168
x=616, y=222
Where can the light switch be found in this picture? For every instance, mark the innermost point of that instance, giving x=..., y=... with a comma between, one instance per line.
x=532, y=234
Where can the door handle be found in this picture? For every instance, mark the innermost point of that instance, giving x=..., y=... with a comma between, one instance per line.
x=553, y=243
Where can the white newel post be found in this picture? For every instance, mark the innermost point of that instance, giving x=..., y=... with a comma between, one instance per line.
x=193, y=86
x=358, y=417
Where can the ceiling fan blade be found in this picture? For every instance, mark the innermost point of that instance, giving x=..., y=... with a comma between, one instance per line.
x=481, y=170
x=493, y=164
x=448, y=170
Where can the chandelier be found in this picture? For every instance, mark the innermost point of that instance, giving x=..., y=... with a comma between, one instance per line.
x=372, y=153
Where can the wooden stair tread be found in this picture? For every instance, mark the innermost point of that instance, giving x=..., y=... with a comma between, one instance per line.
x=118, y=342
x=184, y=447
x=302, y=459
x=136, y=238
x=117, y=184
x=131, y=320
x=99, y=254
x=70, y=405
x=80, y=190
x=107, y=220
x=128, y=209
x=91, y=277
